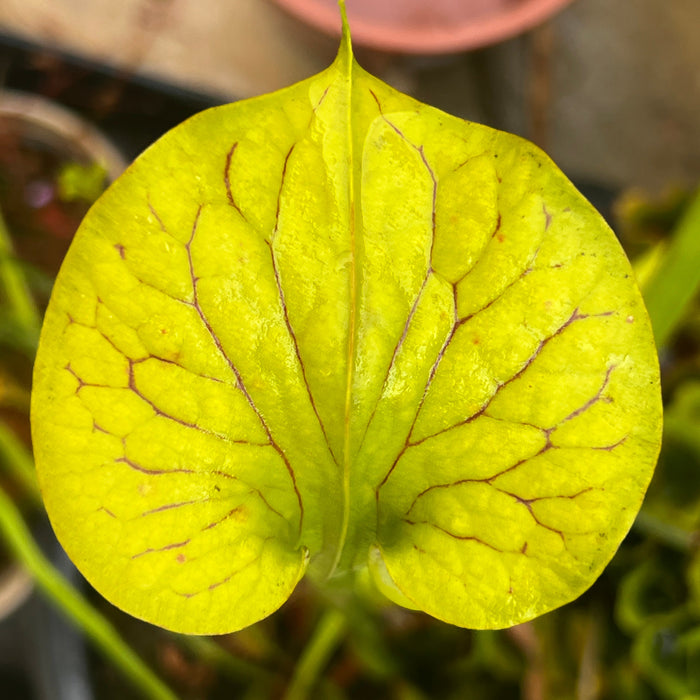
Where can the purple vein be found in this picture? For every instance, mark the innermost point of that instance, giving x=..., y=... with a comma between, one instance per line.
x=547, y=432
x=547, y=217
x=569, y=497
x=157, y=217
x=436, y=364
x=167, y=361
x=404, y=333
x=421, y=152
x=159, y=411
x=419, y=295
x=575, y=316
x=433, y=218
x=323, y=97
x=132, y=386
x=397, y=349
x=258, y=492
x=608, y=448
x=285, y=309
x=456, y=320
x=551, y=528
x=527, y=502
x=104, y=337
x=227, y=181
x=174, y=545
x=159, y=290
x=226, y=579
x=144, y=470
x=463, y=538
x=488, y=480
x=172, y=506
x=433, y=370
x=598, y=396
x=239, y=379
x=390, y=123
x=496, y=228
x=594, y=399
x=223, y=519
x=470, y=158
x=530, y=267
x=82, y=383
x=181, y=421
x=456, y=324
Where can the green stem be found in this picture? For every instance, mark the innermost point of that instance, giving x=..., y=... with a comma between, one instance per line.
x=81, y=613
x=671, y=290
x=19, y=462
x=328, y=634
x=212, y=653
x=19, y=298
x=670, y=535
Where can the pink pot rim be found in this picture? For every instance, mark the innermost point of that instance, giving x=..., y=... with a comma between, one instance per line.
x=324, y=15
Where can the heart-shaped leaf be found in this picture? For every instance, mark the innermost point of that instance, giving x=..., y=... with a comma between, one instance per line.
x=335, y=327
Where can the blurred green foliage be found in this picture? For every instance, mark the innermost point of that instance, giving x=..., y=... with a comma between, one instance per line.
x=78, y=181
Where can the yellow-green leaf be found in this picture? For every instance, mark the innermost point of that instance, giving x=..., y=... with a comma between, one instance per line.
x=333, y=328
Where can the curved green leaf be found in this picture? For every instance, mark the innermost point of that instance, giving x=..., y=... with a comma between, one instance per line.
x=335, y=326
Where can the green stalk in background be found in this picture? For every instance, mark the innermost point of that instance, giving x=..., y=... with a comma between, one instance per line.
x=676, y=280
x=78, y=610
x=328, y=635
x=18, y=461
x=19, y=298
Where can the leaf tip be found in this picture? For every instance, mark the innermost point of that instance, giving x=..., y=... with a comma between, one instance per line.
x=346, y=40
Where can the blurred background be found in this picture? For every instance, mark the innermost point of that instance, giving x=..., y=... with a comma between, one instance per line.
x=610, y=89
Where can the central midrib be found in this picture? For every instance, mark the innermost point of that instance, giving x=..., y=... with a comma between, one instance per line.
x=346, y=61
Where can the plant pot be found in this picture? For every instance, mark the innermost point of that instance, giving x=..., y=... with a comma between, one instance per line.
x=427, y=26
x=37, y=138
